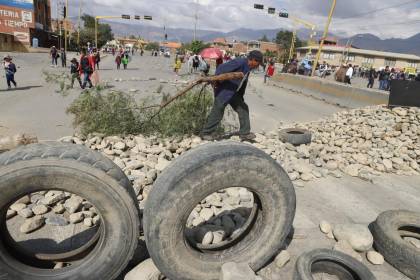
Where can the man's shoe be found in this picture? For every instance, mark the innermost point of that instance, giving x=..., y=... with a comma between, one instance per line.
x=208, y=137
x=247, y=137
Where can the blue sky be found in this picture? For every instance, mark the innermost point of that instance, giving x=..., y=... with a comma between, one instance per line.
x=351, y=16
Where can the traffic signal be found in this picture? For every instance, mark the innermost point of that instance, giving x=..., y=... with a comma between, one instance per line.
x=271, y=11
x=137, y=17
x=166, y=36
x=284, y=14
x=148, y=18
x=258, y=6
x=126, y=17
x=64, y=12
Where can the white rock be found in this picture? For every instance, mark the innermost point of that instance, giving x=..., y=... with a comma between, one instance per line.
x=325, y=227
x=358, y=236
x=10, y=214
x=33, y=224
x=144, y=271
x=17, y=206
x=282, y=259
x=375, y=258
x=162, y=164
x=26, y=213
x=40, y=209
x=344, y=247
x=236, y=271
x=76, y=218
x=206, y=214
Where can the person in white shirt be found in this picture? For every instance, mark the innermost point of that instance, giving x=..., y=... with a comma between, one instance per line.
x=349, y=75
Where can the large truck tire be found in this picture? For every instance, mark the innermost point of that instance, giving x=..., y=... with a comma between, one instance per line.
x=388, y=231
x=88, y=174
x=194, y=176
x=344, y=267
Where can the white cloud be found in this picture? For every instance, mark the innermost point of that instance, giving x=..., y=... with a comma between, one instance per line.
x=227, y=15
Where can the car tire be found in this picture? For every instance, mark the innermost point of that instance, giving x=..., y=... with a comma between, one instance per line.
x=81, y=171
x=331, y=262
x=388, y=231
x=295, y=136
x=199, y=173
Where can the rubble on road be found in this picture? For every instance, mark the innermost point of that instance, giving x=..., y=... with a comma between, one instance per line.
x=12, y=142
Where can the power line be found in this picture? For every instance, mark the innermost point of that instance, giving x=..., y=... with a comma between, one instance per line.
x=380, y=9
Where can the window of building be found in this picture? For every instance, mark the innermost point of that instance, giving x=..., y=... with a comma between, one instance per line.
x=413, y=64
x=390, y=62
x=350, y=58
x=368, y=60
x=330, y=56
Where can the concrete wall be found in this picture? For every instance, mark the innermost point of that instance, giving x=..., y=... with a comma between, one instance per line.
x=331, y=92
x=8, y=44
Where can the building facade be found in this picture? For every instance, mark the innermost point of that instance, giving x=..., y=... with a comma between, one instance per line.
x=337, y=55
x=23, y=20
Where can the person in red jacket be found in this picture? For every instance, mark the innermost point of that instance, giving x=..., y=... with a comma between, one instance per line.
x=87, y=65
x=270, y=71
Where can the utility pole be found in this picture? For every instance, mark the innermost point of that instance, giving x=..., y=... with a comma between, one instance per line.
x=323, y=37
x=196, y=20
x=78, y=22
x=66, y=12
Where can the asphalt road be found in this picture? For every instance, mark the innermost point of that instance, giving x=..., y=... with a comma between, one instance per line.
x=36, y=108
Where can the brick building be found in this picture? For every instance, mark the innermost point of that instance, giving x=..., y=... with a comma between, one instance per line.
x=23, y=20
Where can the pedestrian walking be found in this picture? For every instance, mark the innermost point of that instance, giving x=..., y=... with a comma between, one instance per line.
x=384, y=78
x=97, y=57
x=124, y=61
x=178, y=65
x=75, y=72
x=270, y=71
x=54, y=56
x=196, y=63
x=86, y=68
x=232, y=93
x=63, y=56
x=141, y=52
x=10, y=69
x=349, y=75
x=118, y=61
x=371, y=77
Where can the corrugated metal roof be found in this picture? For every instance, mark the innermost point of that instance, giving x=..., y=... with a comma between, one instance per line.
x=366, y=52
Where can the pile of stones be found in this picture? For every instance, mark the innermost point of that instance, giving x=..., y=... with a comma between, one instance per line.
x=53, y=208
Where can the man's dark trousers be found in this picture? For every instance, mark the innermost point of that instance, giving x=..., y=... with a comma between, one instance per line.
x=216, y=115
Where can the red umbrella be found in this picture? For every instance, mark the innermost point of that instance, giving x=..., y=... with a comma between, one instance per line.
x=211, y=53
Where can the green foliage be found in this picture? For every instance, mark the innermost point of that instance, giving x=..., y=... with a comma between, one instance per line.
x=117, y=113
x=87, y=33
x=195, y=46
x=152, y=46
x=264, y=39
x=284, y=39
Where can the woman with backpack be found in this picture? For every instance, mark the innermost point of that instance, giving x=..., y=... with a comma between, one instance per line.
x=87, y=65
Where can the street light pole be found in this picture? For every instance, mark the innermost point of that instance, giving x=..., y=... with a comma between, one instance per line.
x=78, y=23
x=318, y=55
x=65, y=26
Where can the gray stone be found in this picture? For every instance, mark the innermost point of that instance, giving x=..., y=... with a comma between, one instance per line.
x=18, y=206
x=144, y=271
x=76, y=218
x=119, y=146
x=282, y=259
x=56, y=221
x=375, y=258
x=26, y=213
x=40, y=209
x=59, y=209
x=73, y=204
x=88, y=222
x=345, y=247
x=162, y=164
x=33, y=224
x=53, y=199
x=10, y=214
x=235, y=271
x=358, y=236
x=325, y=227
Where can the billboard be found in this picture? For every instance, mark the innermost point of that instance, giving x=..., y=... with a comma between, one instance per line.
x=16, y=17
x=19, y=4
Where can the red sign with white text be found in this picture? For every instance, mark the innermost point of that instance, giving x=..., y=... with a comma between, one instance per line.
x=16, y=22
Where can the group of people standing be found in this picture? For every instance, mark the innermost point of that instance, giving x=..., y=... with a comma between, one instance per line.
x=123, y=58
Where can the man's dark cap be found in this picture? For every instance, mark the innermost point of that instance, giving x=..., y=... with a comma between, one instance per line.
x=257, y=56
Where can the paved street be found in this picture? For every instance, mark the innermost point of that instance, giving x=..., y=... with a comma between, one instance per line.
x=37, y=109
